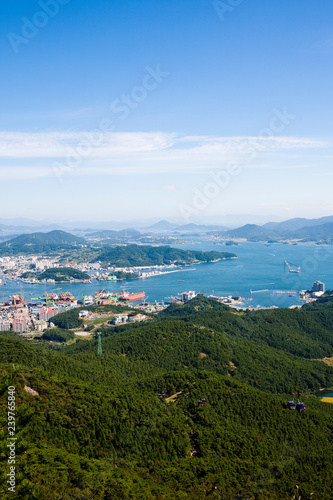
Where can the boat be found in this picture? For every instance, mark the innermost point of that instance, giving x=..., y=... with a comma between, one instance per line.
x=292, y=269
x=132, y=296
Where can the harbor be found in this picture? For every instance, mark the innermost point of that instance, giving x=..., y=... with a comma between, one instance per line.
x=258, y=276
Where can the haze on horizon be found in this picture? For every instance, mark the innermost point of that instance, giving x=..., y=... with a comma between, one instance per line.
x=126, y=111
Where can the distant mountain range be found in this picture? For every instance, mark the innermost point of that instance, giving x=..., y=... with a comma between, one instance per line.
x=162, y=225
x=9, y=230
x=316, y=230
x=297, y=223
x=40, y=242
x=166, y=226
x=52, y=238
x=298, y=228
x=251, y=232
x=122, y=234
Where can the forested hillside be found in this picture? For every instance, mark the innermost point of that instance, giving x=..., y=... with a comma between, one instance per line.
x=40, y=242
x=140, y=255
x=58, y=274
x=127, y=424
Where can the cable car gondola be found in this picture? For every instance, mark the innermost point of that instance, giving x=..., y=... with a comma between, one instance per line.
x=291, y=405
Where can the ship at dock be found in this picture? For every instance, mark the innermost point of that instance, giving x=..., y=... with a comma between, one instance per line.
x=133, y=297
x=104, y=298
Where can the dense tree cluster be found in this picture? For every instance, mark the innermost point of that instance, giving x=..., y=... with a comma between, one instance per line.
x=58, y=335
x=127, y=424
x=67, y=320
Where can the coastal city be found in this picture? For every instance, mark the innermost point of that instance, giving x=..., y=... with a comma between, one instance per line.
x=24, y=314
x=15, y=267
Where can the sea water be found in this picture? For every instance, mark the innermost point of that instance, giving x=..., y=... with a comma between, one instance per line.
x=258, y=274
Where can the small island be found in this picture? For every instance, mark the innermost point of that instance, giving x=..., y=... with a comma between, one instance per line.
x=58, y=274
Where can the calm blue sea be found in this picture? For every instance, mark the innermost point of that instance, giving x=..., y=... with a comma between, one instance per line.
x=259, y=268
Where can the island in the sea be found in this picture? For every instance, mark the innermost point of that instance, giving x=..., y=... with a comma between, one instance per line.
x=58, y=274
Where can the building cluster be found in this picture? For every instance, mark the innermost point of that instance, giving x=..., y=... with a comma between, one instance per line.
x=25, y=319
x=125, y=318
x=12, y=267
x=151, y=308
x=235, y=302
x=318, y=288
x=186, y=296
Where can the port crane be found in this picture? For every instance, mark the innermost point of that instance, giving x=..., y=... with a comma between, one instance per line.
x=83, y=299
x=292, y=268
x=98, y=294
x=45, y=299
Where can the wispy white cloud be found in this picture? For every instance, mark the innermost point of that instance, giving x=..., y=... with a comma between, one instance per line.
x=61, y=144
x=93, y=153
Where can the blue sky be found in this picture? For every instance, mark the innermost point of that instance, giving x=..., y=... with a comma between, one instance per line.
x=122, y=110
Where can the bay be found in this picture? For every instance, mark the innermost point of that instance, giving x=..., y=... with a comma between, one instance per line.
x=259, y=268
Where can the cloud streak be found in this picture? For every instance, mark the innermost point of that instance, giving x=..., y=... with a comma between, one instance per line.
x=135, y=152
x=60, y=144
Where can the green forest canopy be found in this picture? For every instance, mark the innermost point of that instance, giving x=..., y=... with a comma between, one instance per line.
x=99, y=429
